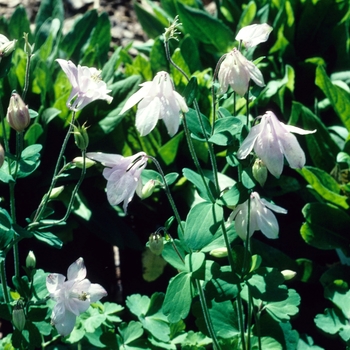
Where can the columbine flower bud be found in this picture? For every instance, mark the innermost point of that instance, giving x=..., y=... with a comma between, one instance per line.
x=288, y=274
x=56, y=192
x=30, y=260
x=18, y=316
x=17, y=113
x=219, y=252
x=148, y=189
x=259, y=171
x=28, y=49
x=156, y=243
x=2, y=155
x=6, y=46
x=81, y=136
x=78, y=162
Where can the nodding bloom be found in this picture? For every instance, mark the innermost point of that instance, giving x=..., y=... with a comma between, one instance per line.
x=86, y=83
x=123, y=175
x=254, y=34
x=158, y=101
x=272, y=141
x=236, y=71
x=260, y=217
x=73, y=296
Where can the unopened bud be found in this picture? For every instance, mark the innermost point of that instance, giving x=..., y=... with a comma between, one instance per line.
x=156, y=243
x=18, y=316
x=148, y=189
x=259, y=171
x=56, y=192
x=2, y=155
x=219, y=252
x=30, y=260
x=28, y=49
x=79, y=161
x=288, y=274
x=6, y=46
x=17, y=113
x=81, y=136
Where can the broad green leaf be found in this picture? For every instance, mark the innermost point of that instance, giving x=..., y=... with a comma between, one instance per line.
x=178, y=297
x=195, y=127
x=140, y=66
x=282, y=310
x=78, y=35
x=332, y=321
x=33, y=133
x=48, y=238
x=172, y=257
x=19, y=24
x=157, y=57
x=194, y=261
x=320, y=145
x=338, y=97
x=248, y=14
x=325, y=185
x=201, y=26
x=202, y=223
x=110, y=310
x=190, y=53
x=197, y=180
x=131, y=331
x=92, y=319
x=226, y=129
x=178, y=77
x=152, y=20
x=168, y=151
x=49, y=9
x=325, y=226
x=111, y=66
x=138, y=304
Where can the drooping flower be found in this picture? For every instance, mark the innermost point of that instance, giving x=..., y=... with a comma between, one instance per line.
x=73, y=296
x=158, y=101
x=260, y=218
x=236, y=71
x=122, y=175
x=272, y=140
x=87, y=85
x=254, y=34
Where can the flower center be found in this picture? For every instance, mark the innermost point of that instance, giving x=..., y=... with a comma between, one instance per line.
x=96, y=77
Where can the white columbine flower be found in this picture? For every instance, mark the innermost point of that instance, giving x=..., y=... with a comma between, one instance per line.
x=254, y=34
x=73, y=296
x=236, y=71
x=272, y=140
x=86, y=83
x=122, y=175
x=261, y=217
x=159, y=101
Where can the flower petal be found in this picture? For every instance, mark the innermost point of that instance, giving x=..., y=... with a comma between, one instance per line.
x=67, y=325
x=297, y=130
x=267, y=223
x=96, y=292
x=273, y=207
x=136, y=97
x=107, y=159
x=54, y=282
x=254, y=34
x=77, y=270
x=249, y=142
x=147, y=115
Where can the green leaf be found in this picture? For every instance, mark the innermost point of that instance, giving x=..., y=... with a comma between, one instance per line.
x=110, y=309
x=197, y=180
x=168, y=151
x=321, y=146
x=332, y=321
x=338, y=97
x=202, y=223
x=194, y=261
x=39, y=283
x=171, y=256
x=325, y=185
x=199, y=24
x=49, y=9
x=92, y=319
x=178, y=297
x=325, y=226
x=131, y=331
x=33, y=133
x=194, y=125
x=226, y=129
x=19, y=24
x=282, y=310
x=48, y=238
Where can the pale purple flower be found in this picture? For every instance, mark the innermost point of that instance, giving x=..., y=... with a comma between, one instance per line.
x=236, y=71
x=122, y=175
x=73, y=296
x=87, y=85
x=261, y=217
x=158, y=101
x=254, y=34
x=272, y=140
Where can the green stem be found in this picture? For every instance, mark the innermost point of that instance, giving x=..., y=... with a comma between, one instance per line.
x=195, y=158
x=4, y=283
x=168, y=193
x=206, y=315
x=240, y=316
x=43, y=204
